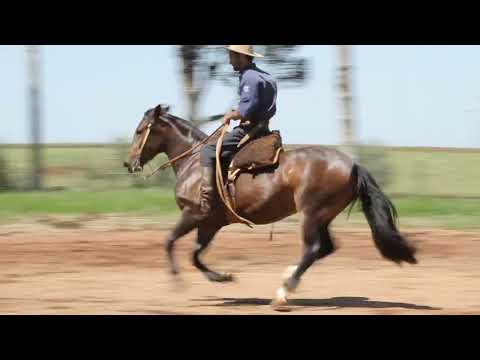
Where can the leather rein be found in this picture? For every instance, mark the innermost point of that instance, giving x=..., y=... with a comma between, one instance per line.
x=179, y=157
x=220, y=184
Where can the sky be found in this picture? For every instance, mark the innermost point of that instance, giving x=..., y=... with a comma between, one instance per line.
x=403, y=95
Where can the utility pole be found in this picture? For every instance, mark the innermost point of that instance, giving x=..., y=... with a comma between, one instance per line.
x=33, y=64
x=345, y=97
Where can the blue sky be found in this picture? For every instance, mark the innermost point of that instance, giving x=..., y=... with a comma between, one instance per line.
x=404, y=95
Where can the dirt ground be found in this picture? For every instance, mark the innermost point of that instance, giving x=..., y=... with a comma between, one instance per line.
x=85, y=271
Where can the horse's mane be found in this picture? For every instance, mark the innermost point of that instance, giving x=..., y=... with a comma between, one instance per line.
x=188, y=127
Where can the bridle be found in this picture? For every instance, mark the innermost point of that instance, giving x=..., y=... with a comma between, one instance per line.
x=220, y=185
x=145, y=138
x=181, y=156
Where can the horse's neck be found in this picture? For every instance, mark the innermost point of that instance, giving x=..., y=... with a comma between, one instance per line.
x=177, y=146
x=174, y=150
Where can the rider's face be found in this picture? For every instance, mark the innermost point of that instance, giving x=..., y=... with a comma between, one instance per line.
x=234, y=60
x=238, y=61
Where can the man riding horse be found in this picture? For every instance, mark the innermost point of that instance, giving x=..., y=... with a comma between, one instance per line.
x=317, y=182
x=258, y=94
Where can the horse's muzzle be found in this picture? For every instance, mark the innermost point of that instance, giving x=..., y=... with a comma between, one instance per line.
x=127, y=165
x=133, y=168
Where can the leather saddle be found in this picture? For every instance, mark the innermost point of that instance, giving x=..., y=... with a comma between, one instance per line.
x=256, y=155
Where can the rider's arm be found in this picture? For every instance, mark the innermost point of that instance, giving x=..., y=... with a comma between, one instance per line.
x=249, y=95
x=233, y=115
x=249, y=99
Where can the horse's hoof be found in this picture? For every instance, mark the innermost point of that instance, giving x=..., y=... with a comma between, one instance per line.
x=224, y=278
x=280, y=306
x=280, y=303
x=229, y=277
x=220, y=277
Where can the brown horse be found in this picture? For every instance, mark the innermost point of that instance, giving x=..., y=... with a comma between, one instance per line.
x=317, y=182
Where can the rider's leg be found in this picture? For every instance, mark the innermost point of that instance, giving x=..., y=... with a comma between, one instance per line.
x=207, y=190
x=208, y=160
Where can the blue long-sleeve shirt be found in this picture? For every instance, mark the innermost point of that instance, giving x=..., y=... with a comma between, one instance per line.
x=258, y=95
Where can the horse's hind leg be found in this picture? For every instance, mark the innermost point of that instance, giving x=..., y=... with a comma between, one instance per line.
x=317, y=245
x=320, y=247
x=204, y=238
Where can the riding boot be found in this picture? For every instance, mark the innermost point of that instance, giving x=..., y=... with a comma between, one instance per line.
x=207, y=190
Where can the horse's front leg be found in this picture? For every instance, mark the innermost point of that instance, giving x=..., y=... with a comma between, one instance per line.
x=187, y=223
x=205, y=236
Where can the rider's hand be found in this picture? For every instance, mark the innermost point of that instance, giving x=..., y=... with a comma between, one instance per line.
x=233, y=115
x=227, y=119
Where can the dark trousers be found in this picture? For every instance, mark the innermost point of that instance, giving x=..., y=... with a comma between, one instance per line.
x=229, y=147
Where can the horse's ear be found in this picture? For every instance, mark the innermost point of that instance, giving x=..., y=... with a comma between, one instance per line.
x=158, y=113
x=161, y=110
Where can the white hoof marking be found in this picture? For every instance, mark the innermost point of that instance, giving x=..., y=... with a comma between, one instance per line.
x=289, y=272
x=282, y=295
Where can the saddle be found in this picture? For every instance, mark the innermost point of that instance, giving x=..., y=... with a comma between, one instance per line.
x=257, y=154
x=254, y=157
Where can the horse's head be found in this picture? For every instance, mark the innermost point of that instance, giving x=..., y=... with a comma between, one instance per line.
x=149, y=139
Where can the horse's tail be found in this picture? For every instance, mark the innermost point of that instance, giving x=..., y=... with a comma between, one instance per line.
x=381, y=215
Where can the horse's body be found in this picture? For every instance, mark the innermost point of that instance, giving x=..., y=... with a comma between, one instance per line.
x=271, y=196
x=317, y=182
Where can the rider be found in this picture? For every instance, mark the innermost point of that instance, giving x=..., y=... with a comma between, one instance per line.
x=258, y=94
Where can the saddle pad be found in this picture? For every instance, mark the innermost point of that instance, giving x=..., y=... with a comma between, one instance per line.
x=258, y=153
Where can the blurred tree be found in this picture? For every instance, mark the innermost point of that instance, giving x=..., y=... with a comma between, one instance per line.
x=202, y=64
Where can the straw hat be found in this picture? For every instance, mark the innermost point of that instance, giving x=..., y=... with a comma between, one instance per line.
x=244, y=49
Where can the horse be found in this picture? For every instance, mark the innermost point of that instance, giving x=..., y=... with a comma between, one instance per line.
x=318, y=182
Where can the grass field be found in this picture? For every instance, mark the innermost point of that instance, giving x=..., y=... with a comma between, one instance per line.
x=152, y=201
x=417, y=171
x=413, y=211
x=429, y=186
x=80, y=167
x=435, y=173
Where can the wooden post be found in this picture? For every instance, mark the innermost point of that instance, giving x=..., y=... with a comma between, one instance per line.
x=345, y=97
x=33, y=60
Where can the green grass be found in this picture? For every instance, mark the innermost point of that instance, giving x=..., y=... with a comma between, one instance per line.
x=448, y=213
x=411, y=171
x=440, y=213
x=151, y=201
x=437, y=173
x=413, y=211
x=94, y=182
x=79, y=167
x=417, y=207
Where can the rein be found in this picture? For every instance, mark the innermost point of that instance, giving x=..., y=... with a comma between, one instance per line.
x=219, y=175
x=220, y=183
x=181, y=156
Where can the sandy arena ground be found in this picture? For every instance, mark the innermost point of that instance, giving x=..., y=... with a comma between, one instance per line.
x=85, y=271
